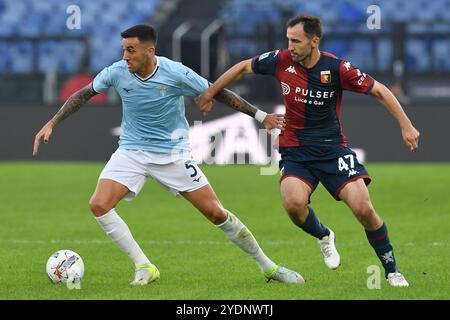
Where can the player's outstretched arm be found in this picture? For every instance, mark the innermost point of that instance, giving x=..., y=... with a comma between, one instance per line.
x=386, y=97
x=72, y=104
x=236, y=102
x=236, y=72
x=217, y=91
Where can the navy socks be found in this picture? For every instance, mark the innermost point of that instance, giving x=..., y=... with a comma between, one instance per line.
x=313, y=226
x=379, y=240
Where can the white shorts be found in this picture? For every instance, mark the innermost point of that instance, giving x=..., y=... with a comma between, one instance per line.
x=132, y=168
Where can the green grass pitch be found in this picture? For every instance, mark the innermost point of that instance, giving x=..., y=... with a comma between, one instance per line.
x=44, y=208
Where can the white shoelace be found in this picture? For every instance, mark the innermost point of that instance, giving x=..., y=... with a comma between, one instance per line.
x=327, y=248
x=397, y=278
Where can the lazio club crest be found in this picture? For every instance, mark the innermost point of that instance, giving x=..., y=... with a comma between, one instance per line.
x=162, y=90
x=325, y=76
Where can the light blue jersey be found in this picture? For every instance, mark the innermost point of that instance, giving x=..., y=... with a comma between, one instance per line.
x=153, y=108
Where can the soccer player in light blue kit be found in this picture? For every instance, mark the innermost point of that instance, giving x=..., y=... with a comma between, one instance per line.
x=154, y=143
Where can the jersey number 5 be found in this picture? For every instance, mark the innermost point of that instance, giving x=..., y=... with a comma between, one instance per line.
x=190, y=166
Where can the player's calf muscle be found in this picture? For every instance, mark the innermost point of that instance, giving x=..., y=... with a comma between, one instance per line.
x=213, y=211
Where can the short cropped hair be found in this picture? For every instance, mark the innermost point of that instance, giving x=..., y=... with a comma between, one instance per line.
x=311, y=25
x=142, y=31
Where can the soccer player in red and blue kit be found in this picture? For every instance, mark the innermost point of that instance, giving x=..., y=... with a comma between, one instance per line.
x=312, y=145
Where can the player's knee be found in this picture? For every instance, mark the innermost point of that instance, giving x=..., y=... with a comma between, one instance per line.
x=295, y=206
x=99, y=207
x=364, y=211
x=216, y=213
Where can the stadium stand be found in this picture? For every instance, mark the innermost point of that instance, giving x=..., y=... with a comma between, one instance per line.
x=40, y=54
x=246, y=18
x=102, y=21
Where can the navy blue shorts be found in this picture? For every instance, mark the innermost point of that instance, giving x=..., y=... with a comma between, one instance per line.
x=334, y=174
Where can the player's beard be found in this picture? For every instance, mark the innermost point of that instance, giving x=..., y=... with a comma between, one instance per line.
x=132, y=66
x=302, y=59
x=138, y=66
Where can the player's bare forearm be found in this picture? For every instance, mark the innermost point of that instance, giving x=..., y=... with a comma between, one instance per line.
x=216, y=90
x=236, y=102
x=233, y=74
x=387, y=98
x=270, y=121
x=74, y=103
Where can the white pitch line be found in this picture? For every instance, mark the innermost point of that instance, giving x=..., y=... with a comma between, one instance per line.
x=194, y=242
x=155, y=242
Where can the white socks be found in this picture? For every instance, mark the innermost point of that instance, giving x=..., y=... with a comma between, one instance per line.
x=120, y=234
x=234, y=229
x=238, y=233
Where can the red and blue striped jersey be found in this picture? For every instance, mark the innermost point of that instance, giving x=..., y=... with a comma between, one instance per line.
x=312, y=96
